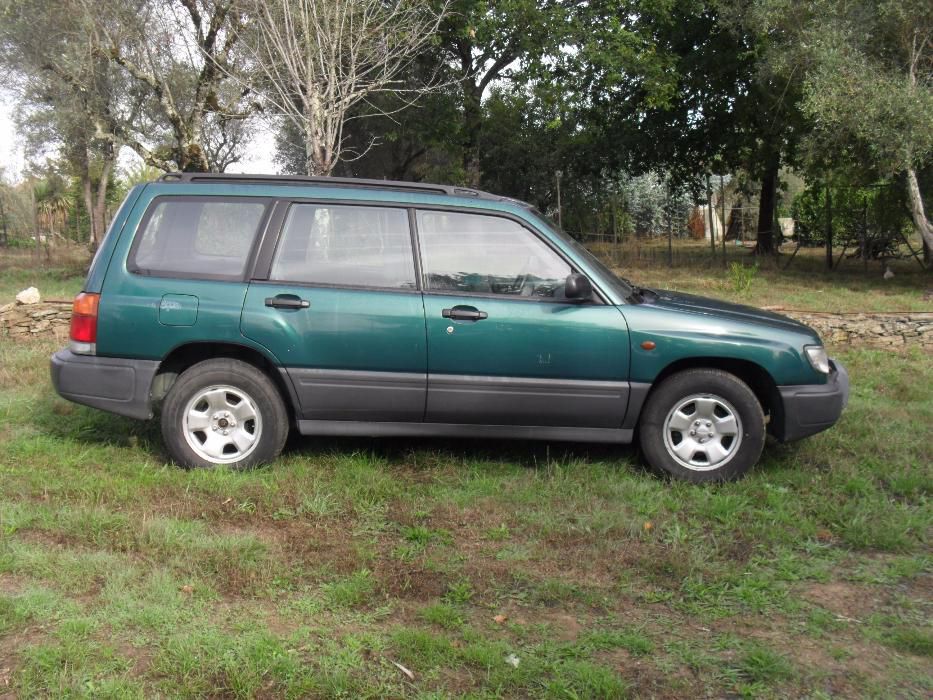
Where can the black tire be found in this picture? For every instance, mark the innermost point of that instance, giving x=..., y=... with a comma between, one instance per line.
x=269, y=426
x=725, y=393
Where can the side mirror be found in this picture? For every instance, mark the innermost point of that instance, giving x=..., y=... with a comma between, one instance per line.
x=578, y=287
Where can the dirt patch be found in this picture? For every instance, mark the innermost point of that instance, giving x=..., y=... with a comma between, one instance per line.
x=647, y=681
x=564, y=626
x=409, y=581
x=11, y=645
x=844, y=599
x=842, y=676
x=320, y=548
x=11, y=585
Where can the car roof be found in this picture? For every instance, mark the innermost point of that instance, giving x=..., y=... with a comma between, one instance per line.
x=340, y=182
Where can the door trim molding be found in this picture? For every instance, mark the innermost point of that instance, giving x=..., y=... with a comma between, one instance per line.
x=492, y=400
x=357, y=395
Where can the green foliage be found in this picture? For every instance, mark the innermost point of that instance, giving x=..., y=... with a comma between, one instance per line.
x=869, y=92
x=877, y=211
x=760, y=664
x=741, y=276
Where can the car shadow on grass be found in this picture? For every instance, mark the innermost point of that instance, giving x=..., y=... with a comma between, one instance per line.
x=529, y=453
x=63, y=420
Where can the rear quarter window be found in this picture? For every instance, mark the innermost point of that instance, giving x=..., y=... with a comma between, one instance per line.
x=201, y=237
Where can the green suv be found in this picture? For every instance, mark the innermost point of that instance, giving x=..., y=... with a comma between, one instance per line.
x=241, y=306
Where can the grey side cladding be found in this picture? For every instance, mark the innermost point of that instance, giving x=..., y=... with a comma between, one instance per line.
x=525, y=401
x=359, y=396
x=638, y=392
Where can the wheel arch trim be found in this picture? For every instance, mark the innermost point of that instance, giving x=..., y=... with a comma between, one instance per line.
x=184, y=355
x=758, y=379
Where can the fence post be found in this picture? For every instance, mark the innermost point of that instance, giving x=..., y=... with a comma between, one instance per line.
x=722, y=208
x=709, y=216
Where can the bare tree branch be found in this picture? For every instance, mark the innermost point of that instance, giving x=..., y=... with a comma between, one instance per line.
x=316, y=59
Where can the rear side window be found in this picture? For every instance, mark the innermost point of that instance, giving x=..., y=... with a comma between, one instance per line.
x=345, y=245
x=209, y=237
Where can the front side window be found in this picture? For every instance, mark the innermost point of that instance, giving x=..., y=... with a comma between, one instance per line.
x=198, y=236
x=478, y=254
x=345, y=245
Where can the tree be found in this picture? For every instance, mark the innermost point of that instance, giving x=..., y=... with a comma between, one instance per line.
x=489, y=41
x=391, y=137
x=315, y=60
x=179, y=55
x=65, y=93
x=686, y=87
x=869, y=90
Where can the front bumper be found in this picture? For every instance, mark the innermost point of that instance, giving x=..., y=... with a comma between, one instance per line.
x=808, y=409
x=114, y=384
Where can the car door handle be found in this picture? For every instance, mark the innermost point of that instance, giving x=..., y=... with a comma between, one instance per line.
x=283, y=301
x=461, y=314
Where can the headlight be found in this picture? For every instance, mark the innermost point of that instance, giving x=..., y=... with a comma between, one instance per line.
x=818, y=358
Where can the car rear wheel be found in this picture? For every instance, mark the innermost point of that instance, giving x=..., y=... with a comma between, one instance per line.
x=702, y=425
x=224, y=412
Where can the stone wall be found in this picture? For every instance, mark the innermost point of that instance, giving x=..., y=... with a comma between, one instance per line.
x=872, y=329
x=47, y=319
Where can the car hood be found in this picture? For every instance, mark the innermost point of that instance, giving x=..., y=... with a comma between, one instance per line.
x=691, y=303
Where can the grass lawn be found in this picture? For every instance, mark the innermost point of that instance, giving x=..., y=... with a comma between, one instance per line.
x=804, y=285
x=497, y=569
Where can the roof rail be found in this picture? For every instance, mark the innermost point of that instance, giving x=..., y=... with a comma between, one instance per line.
x=449, y=190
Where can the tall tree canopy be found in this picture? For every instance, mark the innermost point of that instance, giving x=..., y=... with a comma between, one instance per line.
x=869, y=90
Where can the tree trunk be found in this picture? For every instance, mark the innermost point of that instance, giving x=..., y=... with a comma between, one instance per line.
x=35, y=219
x=709, y=216
x=4, y=238
x=99, y=213
x=87, y=193
x=472, y=126
x=766, y=244
x=191, y=159
x=917, y=212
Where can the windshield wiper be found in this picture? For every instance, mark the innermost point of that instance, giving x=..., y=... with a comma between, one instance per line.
x=639, y=294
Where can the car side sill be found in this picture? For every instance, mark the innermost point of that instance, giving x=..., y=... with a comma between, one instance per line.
x=462, y=430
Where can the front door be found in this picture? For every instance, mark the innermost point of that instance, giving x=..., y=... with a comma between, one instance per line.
x=505, y=347
x=341, y=312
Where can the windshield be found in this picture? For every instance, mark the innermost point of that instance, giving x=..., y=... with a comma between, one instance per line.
x=622, y=287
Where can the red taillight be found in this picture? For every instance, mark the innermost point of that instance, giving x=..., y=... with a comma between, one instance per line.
x=84, y=318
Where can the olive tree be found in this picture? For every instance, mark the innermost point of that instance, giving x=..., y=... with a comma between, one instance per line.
x=869, y=89
x=180, y=56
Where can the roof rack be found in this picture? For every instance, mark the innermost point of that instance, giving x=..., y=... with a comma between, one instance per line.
x=423, y=188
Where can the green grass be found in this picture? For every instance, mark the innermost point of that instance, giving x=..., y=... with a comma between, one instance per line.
x=490, y=570
x=57, y=278
x=804, y=285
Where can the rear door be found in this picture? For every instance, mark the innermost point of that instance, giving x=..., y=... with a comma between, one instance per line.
x=184, y=275
x=335, y=300
x=505, y=347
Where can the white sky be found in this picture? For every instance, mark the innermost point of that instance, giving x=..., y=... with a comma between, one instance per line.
x=258, y=157
x=11, y=148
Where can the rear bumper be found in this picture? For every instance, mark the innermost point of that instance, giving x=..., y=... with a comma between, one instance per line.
x=114, y=384
x=811, y=408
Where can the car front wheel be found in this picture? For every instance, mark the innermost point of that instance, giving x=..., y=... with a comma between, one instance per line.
x=224, y=412
x=702, y=425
